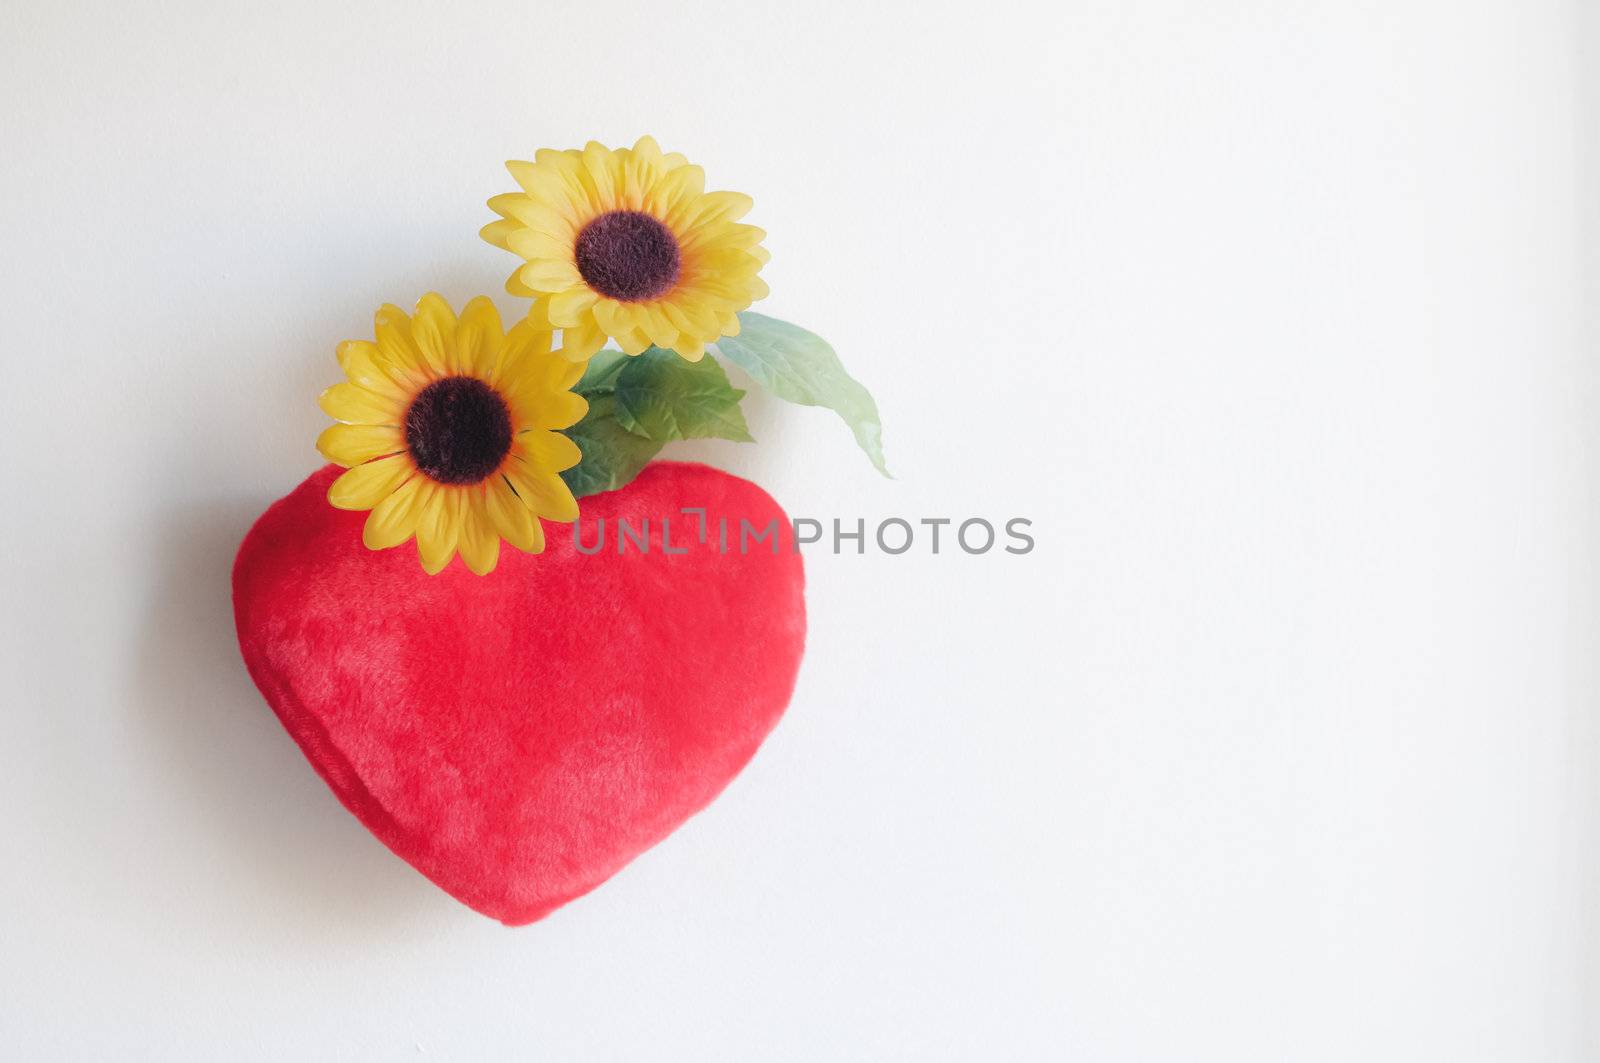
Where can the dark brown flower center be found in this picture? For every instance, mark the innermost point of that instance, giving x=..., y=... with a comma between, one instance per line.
x=628, y=255
x=458, y=430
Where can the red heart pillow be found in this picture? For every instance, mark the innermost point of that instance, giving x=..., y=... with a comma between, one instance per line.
x=520, y=737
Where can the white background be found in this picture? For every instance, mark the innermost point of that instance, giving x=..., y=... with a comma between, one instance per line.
x=1280, y=746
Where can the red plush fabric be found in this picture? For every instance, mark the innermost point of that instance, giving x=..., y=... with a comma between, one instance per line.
x=520, y=737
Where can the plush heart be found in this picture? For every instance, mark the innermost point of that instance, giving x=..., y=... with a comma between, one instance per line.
x=521, y=736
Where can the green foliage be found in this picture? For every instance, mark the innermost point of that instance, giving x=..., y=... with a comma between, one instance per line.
x=800, y=367
x=662, y=397
x=612, y=455
x=636, y=405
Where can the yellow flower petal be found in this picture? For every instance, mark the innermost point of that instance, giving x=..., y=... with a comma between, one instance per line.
x=656, y=325
x=632, y=342
x=366, y=485
x=433, y=328
x=394, y=520
x=741, y=238
x=558, y=179
x=690, y=350
x=647, y=154
x=565, y=162
x=479, y=545
x=392, y=326
x=580, y=342
x=534, y=245
x=535, y=404
x=691, y=319
x=345, y=350
x=365, y=365
x=513, y=206
x=567, y=308
x=713, y=207
x=539, y=312
x=558, y=223
x=541, y=491
x=357, y=405
x=613, y=316
x=569, y=375
x=549, y=450
x=598, y=167
x=439, y=528
x=637, y=179
x=523, y=346
x=549, y=186
x=549, y=275
x=674, y=191
x=479, y=337
x=351, y=444
x=512, y=518
x=499, y=232
x=515, y=286
x=528, y=340
x=726, y=263
x=724, y=292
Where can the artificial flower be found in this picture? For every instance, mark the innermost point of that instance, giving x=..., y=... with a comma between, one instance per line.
x=628, y=244
x=449, y=433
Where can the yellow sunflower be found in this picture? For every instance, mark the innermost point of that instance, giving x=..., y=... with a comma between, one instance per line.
x=628, y=244
x=449, y=434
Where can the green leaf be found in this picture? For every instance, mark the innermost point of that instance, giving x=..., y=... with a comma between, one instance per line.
x=799, y=366
x=638, y=404
x=600, y=374
x=662, y=397
x=612, y=455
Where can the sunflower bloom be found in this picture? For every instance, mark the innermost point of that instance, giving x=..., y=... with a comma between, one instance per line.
x=628, y=244
x=448, y=433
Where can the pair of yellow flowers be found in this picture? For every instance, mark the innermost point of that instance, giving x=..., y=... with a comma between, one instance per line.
x=449, y=423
